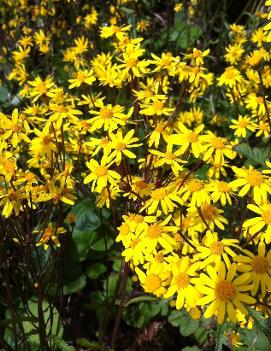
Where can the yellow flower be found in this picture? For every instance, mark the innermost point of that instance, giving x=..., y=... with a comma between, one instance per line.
x=251, y=179
x=225, y=292
x=259, y=267
x=216, y=147
x=156, y=107
x=83, y=76
x=188, y=139
x=242, y=125
x=257, y=224
x=120, y=145
x=152, y=282
x=50, y=233
x=234, y=53
x=109, y=117
x=169, y=158
x=231, y=77
x=220, y=191
x=162, y=197
x=100, y=175
x=180, y=284
x=212, y=250
x=194, y=192
x=40, y=87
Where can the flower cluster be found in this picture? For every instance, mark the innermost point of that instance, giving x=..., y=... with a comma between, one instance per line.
x=193, y=216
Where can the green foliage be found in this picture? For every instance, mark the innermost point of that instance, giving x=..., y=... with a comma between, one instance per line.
x=183, y=321
x=255, y=156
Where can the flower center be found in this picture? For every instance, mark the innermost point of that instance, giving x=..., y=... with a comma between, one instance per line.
x=152, y=283
x=243, y=123
x=170, y=155
x=194, y=185
x=159, y=128
x=225, y=290
x=46, y=140
x=140, y=184
x=182, y=280
x=120, y=146
x=209, y=212
x=154, y=231
x=159, y=258
x=158, y=106
x=223, y=187
x=106, y=113
x=192, y=137
x=159, y=194
x=134, y=243
x=259, y=264
x=131, y=62
x=266, y=216
x=217, y=248
x=101, y=171
x=124, y=229
x=41, y=87
x=254, y=177
x=195, y=313
x=218, y=143
x=81, y=76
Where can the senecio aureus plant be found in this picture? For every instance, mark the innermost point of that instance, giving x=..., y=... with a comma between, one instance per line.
x=178, y=154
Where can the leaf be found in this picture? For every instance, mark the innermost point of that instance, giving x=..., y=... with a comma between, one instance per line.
x=255, y=156
x=95, y=270
x=76, y=285
x=183, y=320
x=86, y=215
x=191, y=348
x=141, y=299
x=3, y=93
x=220, y=336
x=263, y=324
x=83, y=241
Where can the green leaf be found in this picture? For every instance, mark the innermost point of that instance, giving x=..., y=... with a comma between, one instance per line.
x=191, y=348
x=183, y=320
x=3, y=94
x=220, y=336
x=95, y=270
x=76, y=285
x=263, y=324
x=86, y=215
x=255, y=156
x=138, y=299
x=83, y=241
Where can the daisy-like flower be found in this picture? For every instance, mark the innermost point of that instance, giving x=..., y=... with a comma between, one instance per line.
x=188, y=139
x=156, y=107
x=242, y=126
x=209, y=215
x=162, y=197
x=195, y=192
x=152, y=282
x=216, y=147
x=225, y=292
x=159, y=233
x=120, y=145
x=251, y=179
x=230, y=78
x=40, y=87
x=109, y=117
x=82, y=76
x=50, y=234
x=261, y=222
x=180, y=284
x=170, y=158
x=220, y=191
x=214, y=250
x=259, y=267
x=100, y=175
